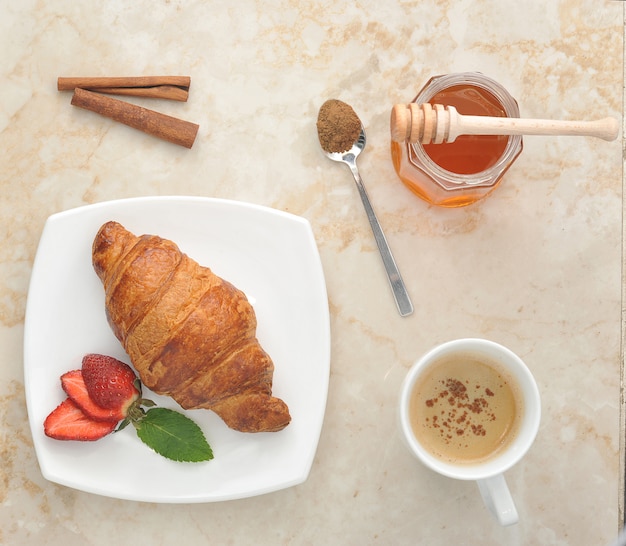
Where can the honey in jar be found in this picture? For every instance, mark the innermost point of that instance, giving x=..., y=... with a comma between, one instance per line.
x=461, y=172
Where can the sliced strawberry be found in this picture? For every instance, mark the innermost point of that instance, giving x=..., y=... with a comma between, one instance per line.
x=74, y=386
x=109, y=382
x=68, y=422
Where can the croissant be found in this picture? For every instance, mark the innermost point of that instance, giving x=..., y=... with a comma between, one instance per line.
x=189, y=334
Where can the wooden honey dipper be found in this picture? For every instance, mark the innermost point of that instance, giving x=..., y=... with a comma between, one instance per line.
x=436, y=124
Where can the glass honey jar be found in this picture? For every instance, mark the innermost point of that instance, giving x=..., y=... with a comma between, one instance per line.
x=462, y=172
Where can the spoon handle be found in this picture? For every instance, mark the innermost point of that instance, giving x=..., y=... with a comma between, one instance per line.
x=403, y=301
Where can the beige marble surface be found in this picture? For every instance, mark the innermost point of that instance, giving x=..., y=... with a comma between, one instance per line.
x=536, y=266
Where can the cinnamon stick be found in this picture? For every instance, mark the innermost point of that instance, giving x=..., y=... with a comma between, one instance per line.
x=153, y=123
x=161, y=87
x=169, y=92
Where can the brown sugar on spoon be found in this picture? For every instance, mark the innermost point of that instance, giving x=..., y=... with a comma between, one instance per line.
x=338, y=126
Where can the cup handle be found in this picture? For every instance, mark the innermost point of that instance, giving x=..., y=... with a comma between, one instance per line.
x=497, y=497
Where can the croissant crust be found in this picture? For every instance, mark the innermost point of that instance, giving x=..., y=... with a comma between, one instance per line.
x=189, y=333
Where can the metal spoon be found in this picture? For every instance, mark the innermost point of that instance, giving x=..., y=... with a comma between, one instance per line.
x=403, y=302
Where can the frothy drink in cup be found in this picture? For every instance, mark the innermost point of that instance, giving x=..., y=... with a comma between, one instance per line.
x=470, y=409
x=465, y=408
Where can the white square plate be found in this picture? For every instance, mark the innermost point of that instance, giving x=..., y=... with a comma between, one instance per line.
x=271, y=256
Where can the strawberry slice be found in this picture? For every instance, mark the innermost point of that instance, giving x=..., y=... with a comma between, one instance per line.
x=74, y=386
x=109, y=382
x=68, y=422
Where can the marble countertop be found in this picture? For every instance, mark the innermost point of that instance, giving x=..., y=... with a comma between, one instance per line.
x=536, y=266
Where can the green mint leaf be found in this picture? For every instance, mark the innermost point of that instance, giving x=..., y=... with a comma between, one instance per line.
x=173, y=435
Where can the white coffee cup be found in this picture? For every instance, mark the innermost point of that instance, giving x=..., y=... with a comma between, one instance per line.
x=488, y=472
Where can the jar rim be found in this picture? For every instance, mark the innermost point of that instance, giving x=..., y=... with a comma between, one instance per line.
x=488, y=177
